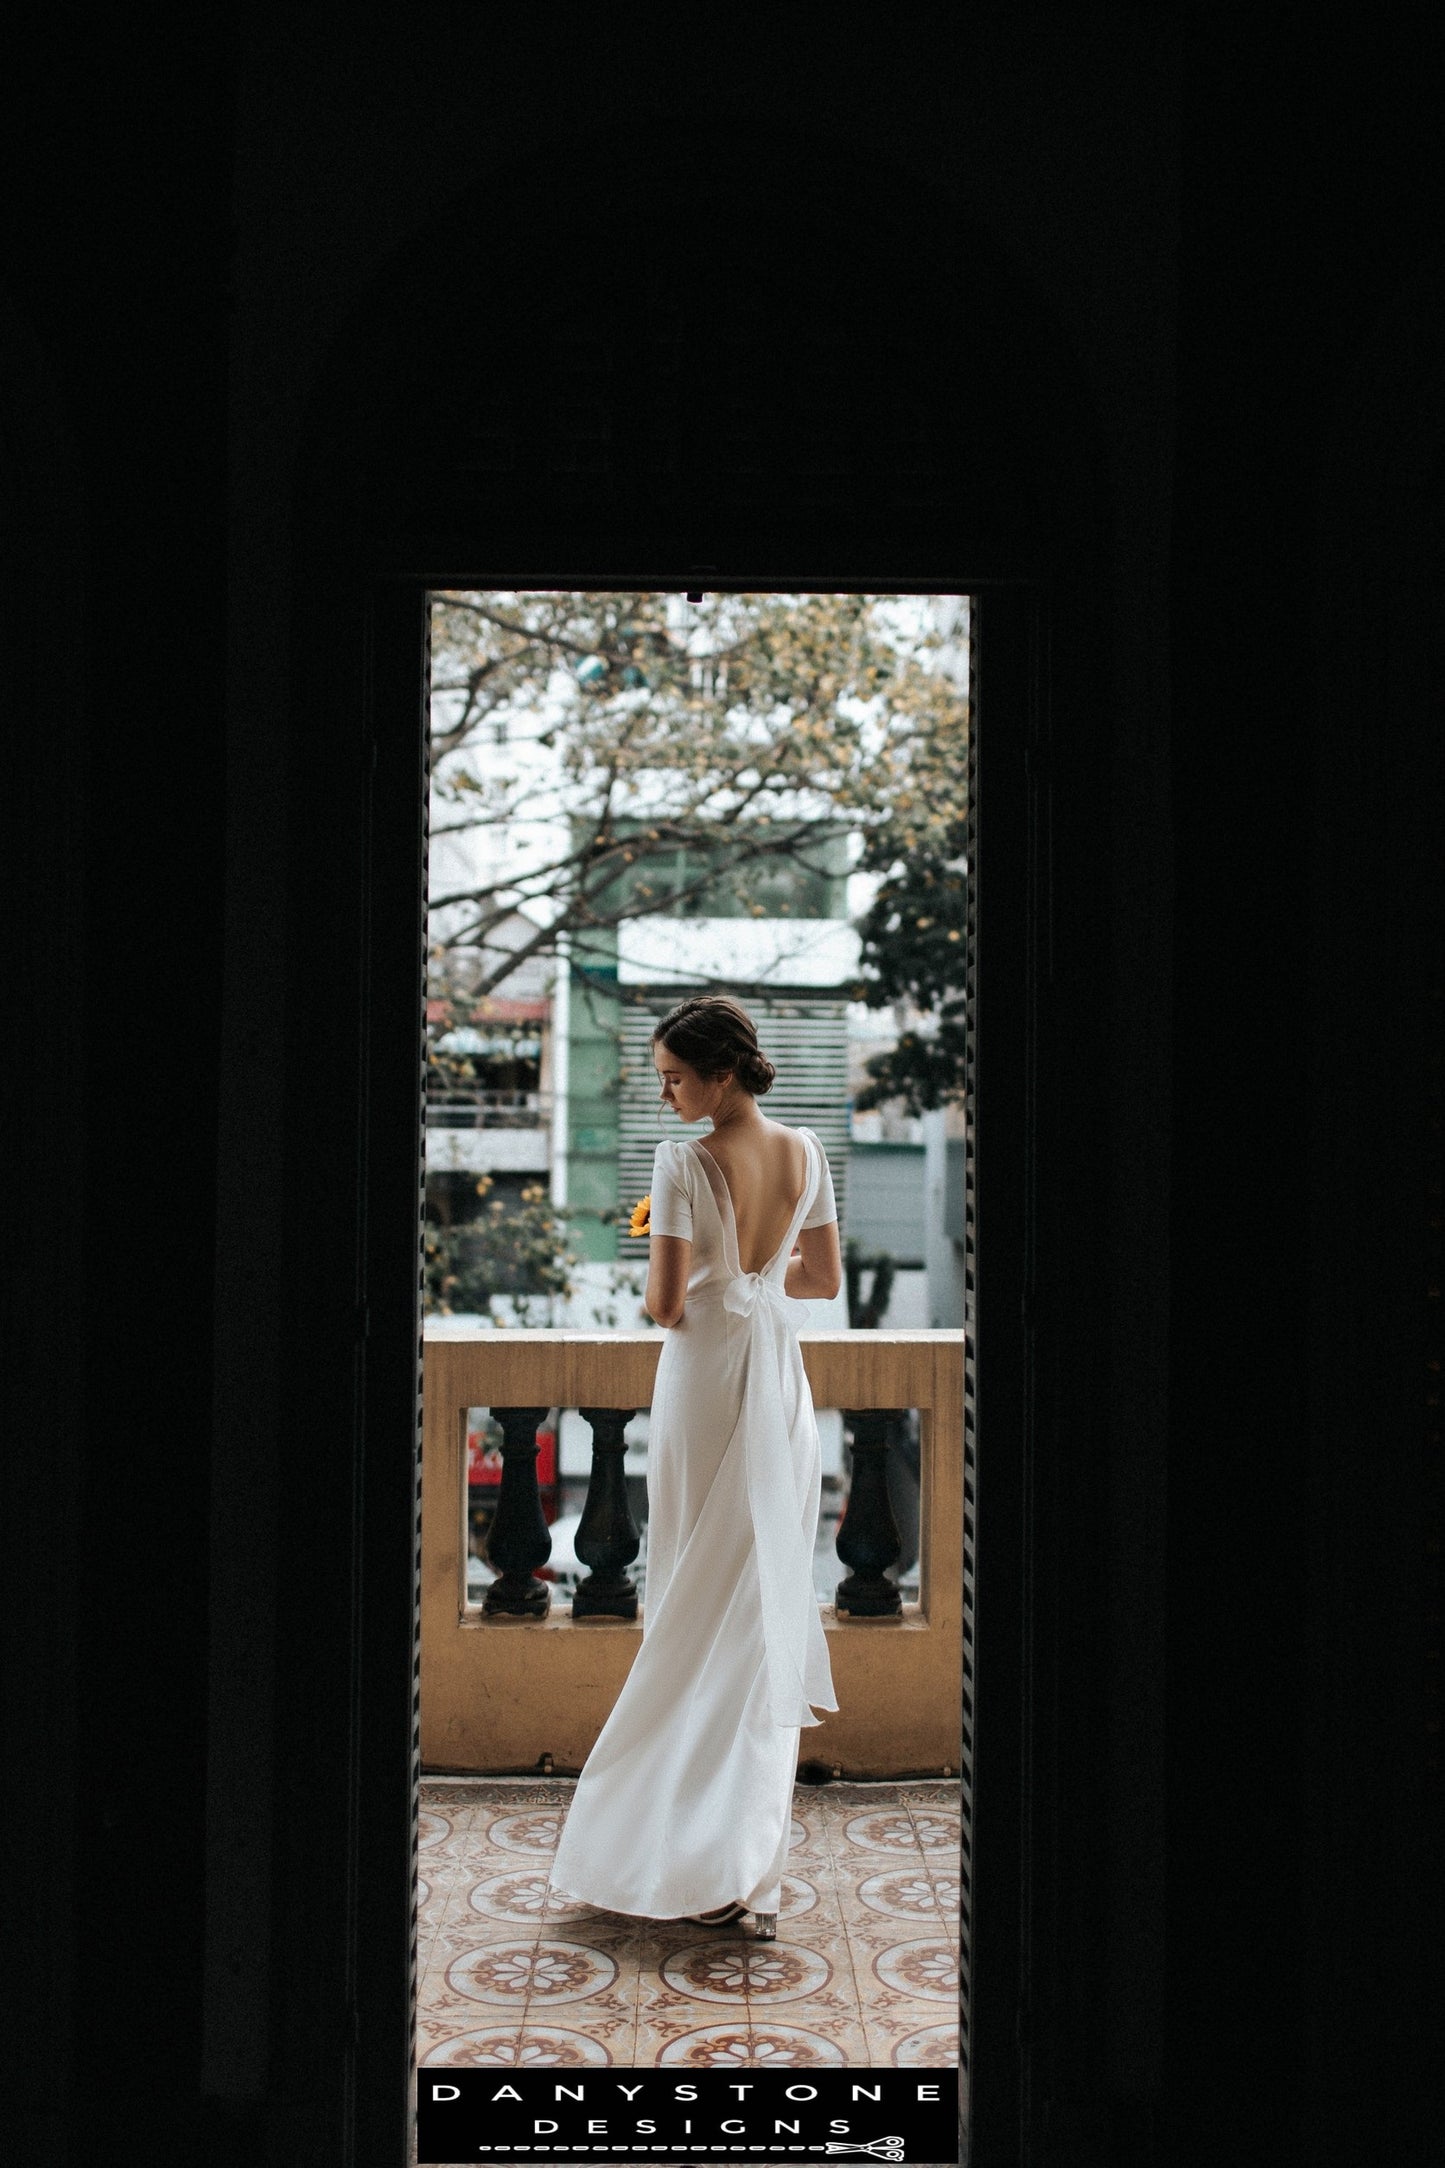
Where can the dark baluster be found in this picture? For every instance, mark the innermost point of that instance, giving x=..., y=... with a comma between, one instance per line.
x=607, y=1538
x=868, y=1539
x=519, y=1539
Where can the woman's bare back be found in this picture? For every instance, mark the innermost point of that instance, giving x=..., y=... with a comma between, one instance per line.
x=765, y=1167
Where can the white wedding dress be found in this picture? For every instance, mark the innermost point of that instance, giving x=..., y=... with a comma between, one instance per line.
x=685, y=1801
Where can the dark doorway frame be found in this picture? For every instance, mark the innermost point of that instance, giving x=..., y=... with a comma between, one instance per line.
x=350, y=1538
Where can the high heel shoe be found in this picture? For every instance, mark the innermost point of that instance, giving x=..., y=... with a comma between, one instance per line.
x=766, y=1929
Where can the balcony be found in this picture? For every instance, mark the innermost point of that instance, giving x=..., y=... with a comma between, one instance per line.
x=472, y=1107
x=868, y=1963
x=519, y=1683
x=476, y=1130
x=865, y=1969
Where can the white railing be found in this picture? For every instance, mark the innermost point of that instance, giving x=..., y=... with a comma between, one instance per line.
x=463, y=1107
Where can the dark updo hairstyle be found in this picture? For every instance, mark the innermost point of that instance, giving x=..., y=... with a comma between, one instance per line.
x=716, y=1036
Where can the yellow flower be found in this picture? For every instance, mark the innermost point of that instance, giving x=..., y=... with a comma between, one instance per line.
x=641, y=1220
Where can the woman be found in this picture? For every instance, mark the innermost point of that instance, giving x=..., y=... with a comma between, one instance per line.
x=684, y=1806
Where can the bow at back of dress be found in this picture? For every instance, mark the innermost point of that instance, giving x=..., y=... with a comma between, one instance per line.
x=778, y=1440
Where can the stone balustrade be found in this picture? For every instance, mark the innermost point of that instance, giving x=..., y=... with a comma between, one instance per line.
x=534, y=1694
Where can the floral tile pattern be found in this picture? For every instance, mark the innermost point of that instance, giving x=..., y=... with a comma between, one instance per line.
x=864, y=1969
x=483, y=2048
x=932, y=2046
x=928, y=1969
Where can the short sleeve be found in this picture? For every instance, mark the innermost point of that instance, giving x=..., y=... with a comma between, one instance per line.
x=825, y=1205
x=671, y=1212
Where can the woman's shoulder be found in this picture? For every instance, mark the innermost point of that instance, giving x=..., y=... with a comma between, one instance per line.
x=796, y=1129
x=672, y=1152
x=812, y=1150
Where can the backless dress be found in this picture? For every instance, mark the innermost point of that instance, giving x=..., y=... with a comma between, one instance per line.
x=685, y=1801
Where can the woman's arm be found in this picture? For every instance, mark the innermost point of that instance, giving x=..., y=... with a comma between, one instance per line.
x=669, y=1262
x=816, y=1267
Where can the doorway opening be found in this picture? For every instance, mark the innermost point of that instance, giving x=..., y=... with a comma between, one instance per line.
x=636, y=795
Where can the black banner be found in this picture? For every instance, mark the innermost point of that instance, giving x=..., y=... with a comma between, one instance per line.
x=655, y=2114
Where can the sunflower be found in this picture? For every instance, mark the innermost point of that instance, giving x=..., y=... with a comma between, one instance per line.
x=641, y=1220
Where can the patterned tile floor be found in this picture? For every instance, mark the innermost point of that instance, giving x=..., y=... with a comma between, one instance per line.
x=864, y=1969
